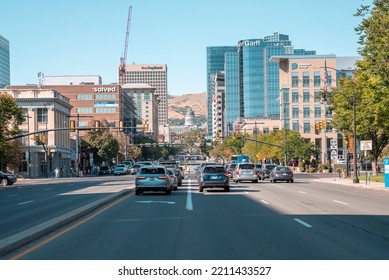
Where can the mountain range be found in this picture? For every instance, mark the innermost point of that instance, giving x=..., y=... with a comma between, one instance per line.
x=179, y=105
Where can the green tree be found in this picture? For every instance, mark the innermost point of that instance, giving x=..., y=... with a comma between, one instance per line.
x=101, y=143
x=374, y=38
x=11, y=116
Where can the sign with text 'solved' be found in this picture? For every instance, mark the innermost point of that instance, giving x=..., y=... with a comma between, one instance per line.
x=366, y=145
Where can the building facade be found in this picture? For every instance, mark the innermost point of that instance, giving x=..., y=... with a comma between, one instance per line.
x=146, y=104
x=73, y=80
x=43, y=152
x=154, y=75
x=303, y=79
x=219, y=127
x=5, y=72
x=215, y=64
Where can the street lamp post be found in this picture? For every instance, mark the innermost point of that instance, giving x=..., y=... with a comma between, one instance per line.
x=355, y=162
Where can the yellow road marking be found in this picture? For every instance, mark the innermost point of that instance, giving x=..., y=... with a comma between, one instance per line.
x=39, y=245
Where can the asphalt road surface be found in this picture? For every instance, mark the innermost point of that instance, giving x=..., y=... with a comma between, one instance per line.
x=305, y=220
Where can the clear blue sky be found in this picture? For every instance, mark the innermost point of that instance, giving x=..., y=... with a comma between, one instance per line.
x=86, y=37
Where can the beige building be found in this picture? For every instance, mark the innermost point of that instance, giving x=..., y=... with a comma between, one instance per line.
x=146, y=103
x=154, y=75
x=44, y=109
x=302, y=79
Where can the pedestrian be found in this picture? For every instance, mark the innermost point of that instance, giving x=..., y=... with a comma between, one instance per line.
x=56, y=172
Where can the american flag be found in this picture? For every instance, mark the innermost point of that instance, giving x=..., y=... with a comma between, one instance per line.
x=325, y=75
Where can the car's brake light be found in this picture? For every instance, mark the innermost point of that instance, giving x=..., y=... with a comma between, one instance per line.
x=162, y=177
x=277, y=173
x=140, y=177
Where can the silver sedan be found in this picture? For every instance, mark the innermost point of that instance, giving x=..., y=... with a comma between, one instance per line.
x=281, y=173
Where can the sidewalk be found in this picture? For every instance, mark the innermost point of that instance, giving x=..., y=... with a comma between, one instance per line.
x=349, y=182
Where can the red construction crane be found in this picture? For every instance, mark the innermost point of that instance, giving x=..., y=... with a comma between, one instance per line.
x=123, y=58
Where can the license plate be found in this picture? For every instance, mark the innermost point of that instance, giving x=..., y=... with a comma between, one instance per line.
x=284, y=174
x=151, y=179
x=214, y=177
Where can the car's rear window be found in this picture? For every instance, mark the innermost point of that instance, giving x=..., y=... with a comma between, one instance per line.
x=270, y=167
x=152, y=170
x=215, y=169
x=246, y=166
x=283, y=169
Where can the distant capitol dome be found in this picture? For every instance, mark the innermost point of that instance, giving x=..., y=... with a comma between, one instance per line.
x=190, y=118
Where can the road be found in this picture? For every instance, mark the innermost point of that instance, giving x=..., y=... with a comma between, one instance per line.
x=31, y=202
x=305, y=220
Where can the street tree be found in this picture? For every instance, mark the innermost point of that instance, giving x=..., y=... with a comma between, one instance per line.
x=11, y=117
x=368, y=91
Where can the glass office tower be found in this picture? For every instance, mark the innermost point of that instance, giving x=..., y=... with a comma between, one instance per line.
x=258, y=77
x=215, y=64
x=5, y=76
x=234, y=102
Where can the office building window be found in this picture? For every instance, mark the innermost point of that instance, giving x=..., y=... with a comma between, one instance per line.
x=317, y=96
x=307, y=112
x=307, y=126
x=305, y=79
x=295, y=125
x=105, y=96
x=317, y=112
x=295, y=96
x=86, y=110
x=42, y=115
x=295, y=79
x=103, y=110
x=329, y=78
x=316, y=79
x=84, y=96
x=306, y=96
x=295, y=112
x=266, y=130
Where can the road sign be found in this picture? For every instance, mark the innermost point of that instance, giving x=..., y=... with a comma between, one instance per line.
x=334, y=142
x=366, y=145
x=334, y=153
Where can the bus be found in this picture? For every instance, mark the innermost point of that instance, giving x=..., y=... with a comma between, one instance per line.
x=239, y=159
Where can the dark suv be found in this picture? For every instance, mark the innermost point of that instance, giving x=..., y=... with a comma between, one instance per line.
x=7, y=179
x=265, y=170
x=177, y=170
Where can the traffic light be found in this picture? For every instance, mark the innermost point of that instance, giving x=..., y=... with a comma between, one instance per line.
x=233, y=135
x=97, y=126
x=121, y=126
x=317, y=126
x=324, y=124
x=346, y=141
x=49, y=152
x=42, y=139
x=198, y=136
x=72, y=126
x=217, y=135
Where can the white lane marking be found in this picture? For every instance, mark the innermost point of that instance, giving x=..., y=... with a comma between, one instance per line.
x=26, y=202
x=341, y=202
x=156, y=201
x=12, y=195
x=303, y=223
x=302, y=192
x=189, y=203
x=265, y=202
x=49, y=189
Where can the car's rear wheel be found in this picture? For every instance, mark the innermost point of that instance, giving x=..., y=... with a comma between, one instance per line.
x=137, y=192
x=168, y=192
x=291, y=181
x=4, y=182
x=227, y=189
x=201, y=189
x=274, y=181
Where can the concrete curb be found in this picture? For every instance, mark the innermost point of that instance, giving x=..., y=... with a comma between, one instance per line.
x=17, y=240
x=360, y=185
